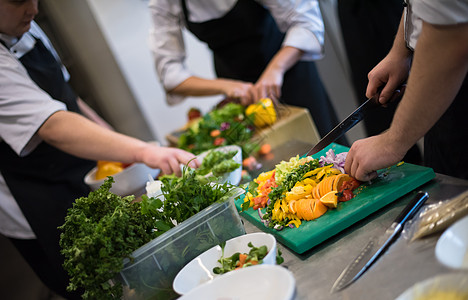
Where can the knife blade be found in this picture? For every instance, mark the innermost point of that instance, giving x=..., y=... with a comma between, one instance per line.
x=377, y=247
x=355, y=117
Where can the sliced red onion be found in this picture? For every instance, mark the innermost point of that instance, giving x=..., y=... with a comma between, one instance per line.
x=337, y=160
x=260, y=214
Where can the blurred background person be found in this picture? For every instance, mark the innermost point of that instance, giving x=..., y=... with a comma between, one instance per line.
x=260, y=49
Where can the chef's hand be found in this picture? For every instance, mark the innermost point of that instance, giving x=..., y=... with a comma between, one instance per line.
x=368, y=155
x=237, y=90
x=168, y=159
x=388, y=75
x=268, y=85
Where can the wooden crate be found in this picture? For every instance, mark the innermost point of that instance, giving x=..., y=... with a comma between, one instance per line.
x=293, y=123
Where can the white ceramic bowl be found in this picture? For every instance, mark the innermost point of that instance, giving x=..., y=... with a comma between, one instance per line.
x=452, y=247
x=263, y=282
x=438, y=287
x=200, y=269
x=129, y=181
x=235, y=176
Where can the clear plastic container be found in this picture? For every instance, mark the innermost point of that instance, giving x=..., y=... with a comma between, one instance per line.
x=150, y=274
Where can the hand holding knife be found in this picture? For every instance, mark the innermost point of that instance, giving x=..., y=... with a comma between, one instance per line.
x=354, y=118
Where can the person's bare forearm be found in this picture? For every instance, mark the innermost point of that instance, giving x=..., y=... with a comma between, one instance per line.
x=437, y=73
x=197, y=86
x=270, y=82
x=284, y=59
x=81, y=137
x=89, y=113
x=399, y=44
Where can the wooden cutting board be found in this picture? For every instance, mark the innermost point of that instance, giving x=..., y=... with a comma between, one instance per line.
x=391, y=184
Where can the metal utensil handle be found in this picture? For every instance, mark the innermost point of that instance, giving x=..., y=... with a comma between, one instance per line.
x=412, y=207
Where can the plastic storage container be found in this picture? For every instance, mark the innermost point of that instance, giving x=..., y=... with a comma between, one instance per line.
x=151, y=273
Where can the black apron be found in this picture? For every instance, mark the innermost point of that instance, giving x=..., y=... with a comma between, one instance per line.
x=46, y=182
x=244, y=41
x=446, y=143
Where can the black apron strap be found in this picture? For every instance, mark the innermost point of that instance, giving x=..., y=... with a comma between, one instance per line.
x=446, y=143
x=47, y=73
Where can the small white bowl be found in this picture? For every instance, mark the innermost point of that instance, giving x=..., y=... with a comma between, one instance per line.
x=235, y=176
x=452, y=247
x=263, y=282
x=129, y=181
x=200, y=269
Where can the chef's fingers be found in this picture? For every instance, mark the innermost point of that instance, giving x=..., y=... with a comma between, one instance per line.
x=388, y=91
x=165, y=168
x=373, y=87
x=274, y=93
x=174, y=165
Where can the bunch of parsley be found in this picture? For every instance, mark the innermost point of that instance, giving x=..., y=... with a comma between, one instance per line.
x=99, y=231
x=102, y=229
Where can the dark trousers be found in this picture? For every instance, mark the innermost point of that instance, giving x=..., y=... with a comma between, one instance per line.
x=51, y=274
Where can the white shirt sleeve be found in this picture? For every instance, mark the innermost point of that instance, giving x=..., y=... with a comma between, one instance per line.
x=441, y=12
x=303, y=24
x=24, y=107
x=167, y=45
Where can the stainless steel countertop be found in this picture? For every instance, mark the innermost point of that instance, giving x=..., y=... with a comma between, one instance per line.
x=403, y=265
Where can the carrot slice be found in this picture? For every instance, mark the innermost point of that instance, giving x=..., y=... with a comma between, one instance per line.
x=315, y=191
x=304, y=209
x=242, y=259
x=319, y=208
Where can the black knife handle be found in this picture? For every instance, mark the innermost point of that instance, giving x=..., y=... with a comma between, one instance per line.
x=413, y=206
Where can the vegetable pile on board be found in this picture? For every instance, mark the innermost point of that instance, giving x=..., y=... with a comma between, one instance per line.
x=301, y=189
x=102, y=229
x=231, y=124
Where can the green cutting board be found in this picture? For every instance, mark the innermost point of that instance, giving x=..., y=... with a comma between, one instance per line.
x=391, y=184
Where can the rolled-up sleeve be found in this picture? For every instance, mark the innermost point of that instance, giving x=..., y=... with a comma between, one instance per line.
x=441, y=12
x=303, y=24
x=167, y=46
x=24, y=107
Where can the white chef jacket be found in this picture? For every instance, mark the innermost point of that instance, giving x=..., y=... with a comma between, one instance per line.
x=24, y=107
x=300, y=20
x=438, y=12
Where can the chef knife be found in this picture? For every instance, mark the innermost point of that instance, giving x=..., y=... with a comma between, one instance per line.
x=377, y=247
x=354, y=118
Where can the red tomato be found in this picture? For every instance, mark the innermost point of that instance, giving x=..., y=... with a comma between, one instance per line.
x=345, y=195
x=219, y=141
x=351, y=185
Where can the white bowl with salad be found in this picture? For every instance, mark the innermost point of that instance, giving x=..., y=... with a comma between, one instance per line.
x=244, y=251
